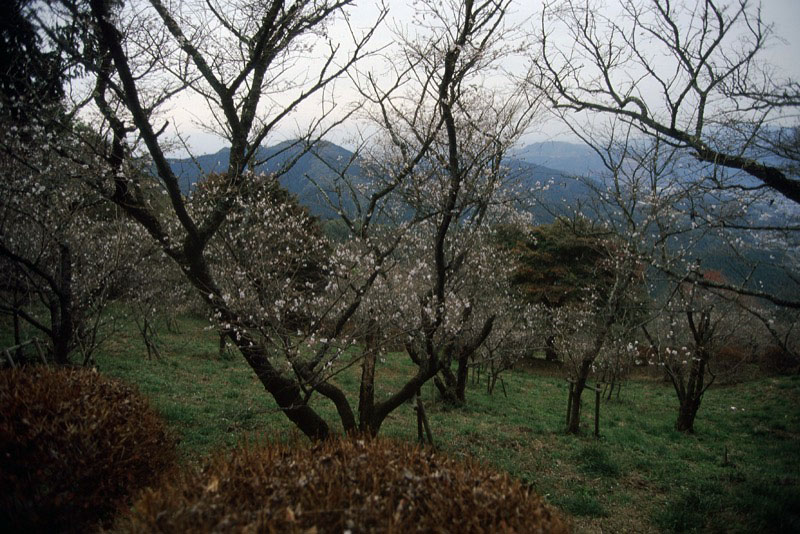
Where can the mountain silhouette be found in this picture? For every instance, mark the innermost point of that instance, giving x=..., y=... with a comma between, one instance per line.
x=310, y=176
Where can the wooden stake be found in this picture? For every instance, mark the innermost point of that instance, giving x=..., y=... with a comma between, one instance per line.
x=39, y=350
x=422, y=421
x=597, y=413
x=569, y=402
x=9, y=358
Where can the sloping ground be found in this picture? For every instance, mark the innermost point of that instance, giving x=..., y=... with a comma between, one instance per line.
x=640, y=476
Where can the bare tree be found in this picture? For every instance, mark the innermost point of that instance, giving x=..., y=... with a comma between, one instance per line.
x=584, y=329
x=64, y=253
x=445, y=128
x=689, y=330
x=655, y=201
x=245, y=61
x=691, y=75
x=688, y=71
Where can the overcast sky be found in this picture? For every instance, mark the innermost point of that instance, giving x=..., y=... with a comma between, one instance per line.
x=784, y=53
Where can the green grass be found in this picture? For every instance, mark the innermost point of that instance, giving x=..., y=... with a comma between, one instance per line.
x=640, y=476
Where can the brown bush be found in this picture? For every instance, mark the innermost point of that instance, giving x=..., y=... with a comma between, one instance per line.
x=74, y=446
x=340, y=486
x=774, y=359
x=729, y=364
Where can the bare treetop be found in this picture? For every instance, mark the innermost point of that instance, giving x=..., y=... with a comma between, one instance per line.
x=692, y=73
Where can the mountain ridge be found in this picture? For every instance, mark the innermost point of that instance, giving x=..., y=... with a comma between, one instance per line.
x=327, y=158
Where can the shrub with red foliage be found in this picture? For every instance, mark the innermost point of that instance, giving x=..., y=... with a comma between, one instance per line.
x=339, y=486
x=74, y=447
x=728, y=364
x=774, y=359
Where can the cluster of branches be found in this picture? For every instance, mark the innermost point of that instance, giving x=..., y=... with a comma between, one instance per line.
x=698, y=136
x=695, y=144
x=289, y=300
x=691, y=78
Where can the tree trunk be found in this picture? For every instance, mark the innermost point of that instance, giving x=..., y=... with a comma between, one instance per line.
x=223, y=343
x=426, y=369
x=686, y=414
x=573, y=425
x=285, y=391
x=447, y=386
x=366, y=394
x=461, y=379
x=611, y=385
x=60, y=337
x=550, y=353
x=692, y=396
x=61, y=319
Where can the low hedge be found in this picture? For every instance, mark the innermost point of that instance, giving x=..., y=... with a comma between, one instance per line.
x=348, y=485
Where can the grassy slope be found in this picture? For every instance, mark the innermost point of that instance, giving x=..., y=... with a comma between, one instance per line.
x=640, y=476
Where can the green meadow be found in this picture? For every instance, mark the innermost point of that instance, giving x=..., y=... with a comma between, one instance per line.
x=740, y=471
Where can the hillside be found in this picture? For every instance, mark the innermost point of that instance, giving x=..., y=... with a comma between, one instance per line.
x=570, y=158
x=640, y=476
x=296, y=169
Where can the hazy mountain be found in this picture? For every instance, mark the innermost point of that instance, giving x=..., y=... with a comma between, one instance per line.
x=569, y=158
x=551, y=186
x=319, y=165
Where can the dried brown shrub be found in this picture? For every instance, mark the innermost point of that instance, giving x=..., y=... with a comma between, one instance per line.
x=74, y=447
x=729, y=364
x=339, y=486
x=777, y=360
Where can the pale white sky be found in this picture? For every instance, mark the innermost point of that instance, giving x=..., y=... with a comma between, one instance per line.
x=784, y=54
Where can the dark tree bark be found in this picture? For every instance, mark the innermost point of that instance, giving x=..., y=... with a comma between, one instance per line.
x=573, y=425
x=461, y=378
x=61, y=312
x=366, y=395
x=603, y=328
x=550, y=353
x=690, y=392
x=285, y=391
x=447, y=384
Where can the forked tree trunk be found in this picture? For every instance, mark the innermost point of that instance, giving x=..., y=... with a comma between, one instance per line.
x=690, y=393
x=690, y=396
x=446, y=383
x=453, y=386
x=285, y=391
x=589, y=356
x=461, y=379
x=686, y=414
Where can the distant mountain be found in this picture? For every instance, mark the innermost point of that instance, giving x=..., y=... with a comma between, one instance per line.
x=549, y=185
x=569, y=158
x=319, y=165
